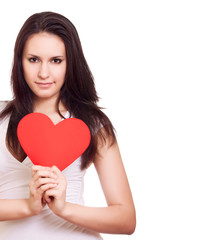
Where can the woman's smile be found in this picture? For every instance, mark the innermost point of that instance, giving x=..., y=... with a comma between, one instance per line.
x=44, y=84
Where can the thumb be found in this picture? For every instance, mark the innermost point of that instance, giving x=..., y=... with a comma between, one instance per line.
x=56, y=170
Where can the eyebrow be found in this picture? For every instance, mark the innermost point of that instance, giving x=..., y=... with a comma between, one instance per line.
x=33, y=55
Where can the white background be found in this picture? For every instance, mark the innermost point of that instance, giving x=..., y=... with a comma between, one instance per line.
x=154, y=64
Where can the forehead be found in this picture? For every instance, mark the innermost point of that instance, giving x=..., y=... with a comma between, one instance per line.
x=44, y=44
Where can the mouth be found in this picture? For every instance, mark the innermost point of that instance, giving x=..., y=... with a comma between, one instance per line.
x=44, y=84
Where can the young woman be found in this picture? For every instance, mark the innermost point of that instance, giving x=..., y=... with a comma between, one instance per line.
x=50, y=75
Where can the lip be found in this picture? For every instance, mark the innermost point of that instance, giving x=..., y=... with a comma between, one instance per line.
x=44, y=84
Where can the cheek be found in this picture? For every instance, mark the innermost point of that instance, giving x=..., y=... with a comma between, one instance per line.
x=60, y=75
x=29, y=72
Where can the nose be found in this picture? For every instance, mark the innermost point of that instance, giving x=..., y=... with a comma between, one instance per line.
x=43, y=72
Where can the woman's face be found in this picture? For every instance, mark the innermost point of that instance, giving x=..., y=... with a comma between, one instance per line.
x=44, y=65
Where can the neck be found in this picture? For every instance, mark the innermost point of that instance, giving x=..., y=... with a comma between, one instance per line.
x=48, y=106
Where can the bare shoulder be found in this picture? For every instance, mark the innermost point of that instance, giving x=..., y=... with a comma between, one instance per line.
x=105, y=139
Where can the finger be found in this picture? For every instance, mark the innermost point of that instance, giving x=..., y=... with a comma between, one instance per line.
x=46, y=187
x=36, y=168
x=43, y=200
x=56, y=170
x=40, y=192
x=50, y=194
x=58, y=173
x=47, y=198
x=42, y=181
x=44, y=174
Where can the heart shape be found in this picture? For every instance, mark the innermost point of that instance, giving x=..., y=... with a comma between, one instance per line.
x=47, y=144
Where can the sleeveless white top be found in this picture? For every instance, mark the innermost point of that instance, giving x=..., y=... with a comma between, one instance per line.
x=14, y=180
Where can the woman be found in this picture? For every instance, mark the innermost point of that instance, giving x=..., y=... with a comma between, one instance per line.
x=50, y=75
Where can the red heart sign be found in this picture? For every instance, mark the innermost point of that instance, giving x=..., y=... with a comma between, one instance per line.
x=47, y=144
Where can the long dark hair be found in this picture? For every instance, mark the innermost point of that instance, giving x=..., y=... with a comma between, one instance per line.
x=78, y=93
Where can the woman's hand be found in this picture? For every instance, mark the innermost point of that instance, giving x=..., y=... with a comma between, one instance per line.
x=56, y=197
x=43, y=179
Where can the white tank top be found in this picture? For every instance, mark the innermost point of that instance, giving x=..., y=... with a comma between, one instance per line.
x=14, y=180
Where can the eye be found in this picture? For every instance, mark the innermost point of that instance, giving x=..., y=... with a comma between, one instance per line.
x=33, y=59
x=57, y=60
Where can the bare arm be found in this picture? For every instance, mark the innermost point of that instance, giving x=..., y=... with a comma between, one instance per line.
x=119, y=215
x=11, y=209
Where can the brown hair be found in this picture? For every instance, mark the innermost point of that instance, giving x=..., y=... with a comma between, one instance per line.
x=78, y=93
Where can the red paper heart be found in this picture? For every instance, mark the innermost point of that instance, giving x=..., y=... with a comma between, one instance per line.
x=47, y=144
